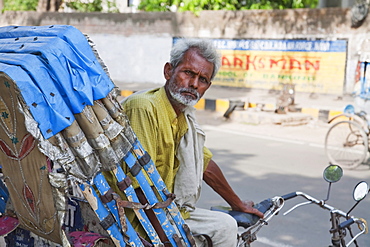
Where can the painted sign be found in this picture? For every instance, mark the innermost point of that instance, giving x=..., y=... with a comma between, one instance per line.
x=314, y=66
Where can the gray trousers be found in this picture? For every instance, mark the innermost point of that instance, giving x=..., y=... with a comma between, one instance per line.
x=221, y=227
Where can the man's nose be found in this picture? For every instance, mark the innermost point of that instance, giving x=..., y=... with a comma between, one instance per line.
x=194, y=81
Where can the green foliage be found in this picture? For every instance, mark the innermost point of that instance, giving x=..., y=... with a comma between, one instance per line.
x=281, y=4
x=112, y=6
x=196, y=6
x=94, y=6
x=20, y=5
x=78, y=5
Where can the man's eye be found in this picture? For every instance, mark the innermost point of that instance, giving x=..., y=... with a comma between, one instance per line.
x=188, y=72
x=204, y=80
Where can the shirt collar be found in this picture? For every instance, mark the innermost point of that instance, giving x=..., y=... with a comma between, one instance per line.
x=172, y=116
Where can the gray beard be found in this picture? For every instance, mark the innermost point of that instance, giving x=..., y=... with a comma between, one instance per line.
x=184, y=100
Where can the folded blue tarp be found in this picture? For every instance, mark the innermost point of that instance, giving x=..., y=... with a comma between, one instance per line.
x=70, y=34
x=60, y=62
x=72, y=80
x=44, y=105
x=80, y=55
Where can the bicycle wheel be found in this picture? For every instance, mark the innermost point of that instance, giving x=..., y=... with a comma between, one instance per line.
x=346, y=144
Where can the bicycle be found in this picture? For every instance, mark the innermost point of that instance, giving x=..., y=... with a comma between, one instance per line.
x=347, y=140
x=341, y=221
x=250, y=223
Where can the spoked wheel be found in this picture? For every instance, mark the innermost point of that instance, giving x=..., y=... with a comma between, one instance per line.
x=346, y=144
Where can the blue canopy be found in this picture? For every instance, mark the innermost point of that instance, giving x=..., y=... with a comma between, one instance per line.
x=59, y=48
x=68, y=33
x=62, y=68
x=49, y=110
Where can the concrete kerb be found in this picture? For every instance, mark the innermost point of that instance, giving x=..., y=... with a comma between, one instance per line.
x=243, y=110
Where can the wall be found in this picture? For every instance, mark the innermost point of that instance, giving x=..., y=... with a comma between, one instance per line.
x=135, y=46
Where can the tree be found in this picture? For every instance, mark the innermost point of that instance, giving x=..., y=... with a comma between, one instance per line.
x=198, y=5
x=93, y=5
x=48, y=5
x=20, y=5
x=55, y=5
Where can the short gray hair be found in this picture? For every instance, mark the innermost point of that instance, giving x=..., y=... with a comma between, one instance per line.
x=204, y=47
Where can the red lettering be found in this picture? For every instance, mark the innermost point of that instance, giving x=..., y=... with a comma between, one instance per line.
x=238, y=62
x=252, y=62
x=293, y=61
x=249, y=61
x=315, y=65
x=261, y=63
x=225, y=62
x=276, y=63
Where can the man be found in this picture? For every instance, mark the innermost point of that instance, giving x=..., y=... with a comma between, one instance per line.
x=164, y=122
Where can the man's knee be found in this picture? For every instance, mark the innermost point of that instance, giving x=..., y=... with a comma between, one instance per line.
x=227, y=230
x=227, y=224
x=220, y=227
x=223, y=234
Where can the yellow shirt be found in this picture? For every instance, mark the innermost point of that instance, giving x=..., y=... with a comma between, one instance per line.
x=159, y=130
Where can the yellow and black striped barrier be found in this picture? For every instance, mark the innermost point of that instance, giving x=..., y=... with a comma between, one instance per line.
x=227, y=106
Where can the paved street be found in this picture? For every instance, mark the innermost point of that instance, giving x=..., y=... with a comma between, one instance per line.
x=266, y=160
x=313, y=132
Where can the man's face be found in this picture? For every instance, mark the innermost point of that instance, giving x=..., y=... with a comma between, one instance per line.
x=190, y=79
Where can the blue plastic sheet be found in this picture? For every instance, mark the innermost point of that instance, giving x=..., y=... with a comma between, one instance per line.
x=68, y=33
x=71, y=79
x=48, y=109
x=80, y=52
x=59, y=61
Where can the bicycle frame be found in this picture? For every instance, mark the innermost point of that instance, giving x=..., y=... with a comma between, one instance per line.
x=356, y=117
x=347, y=142
x=249, y=235
x=338, y=230
x=341, y=221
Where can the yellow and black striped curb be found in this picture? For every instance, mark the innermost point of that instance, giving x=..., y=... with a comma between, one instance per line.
x=224, y=105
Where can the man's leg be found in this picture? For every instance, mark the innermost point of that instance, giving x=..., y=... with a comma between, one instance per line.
x=221, y=227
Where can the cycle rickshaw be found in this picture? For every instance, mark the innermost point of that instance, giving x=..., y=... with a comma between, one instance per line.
x=347, y=140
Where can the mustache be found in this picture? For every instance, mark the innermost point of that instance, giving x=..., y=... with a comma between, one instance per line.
x=189, y=90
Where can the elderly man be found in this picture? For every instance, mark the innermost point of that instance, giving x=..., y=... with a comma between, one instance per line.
x=164, y=122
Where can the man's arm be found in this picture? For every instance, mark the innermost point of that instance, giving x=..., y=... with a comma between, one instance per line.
x=214, y=177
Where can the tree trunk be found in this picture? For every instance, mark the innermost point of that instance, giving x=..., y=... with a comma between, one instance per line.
x=48, y=5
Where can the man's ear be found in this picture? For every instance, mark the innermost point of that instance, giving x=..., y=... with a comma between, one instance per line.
x=167, y=71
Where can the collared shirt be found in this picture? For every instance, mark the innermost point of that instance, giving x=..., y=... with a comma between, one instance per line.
x=159, y=130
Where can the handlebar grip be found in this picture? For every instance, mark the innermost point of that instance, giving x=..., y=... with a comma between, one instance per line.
x=289, y=196
x=246, y=219
x=346, y=223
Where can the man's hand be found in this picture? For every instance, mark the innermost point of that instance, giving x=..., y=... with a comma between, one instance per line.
x=214, y=177
x=247, y=207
